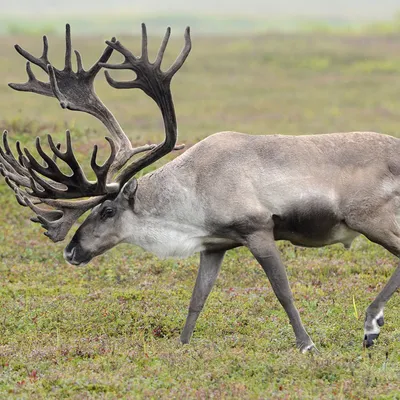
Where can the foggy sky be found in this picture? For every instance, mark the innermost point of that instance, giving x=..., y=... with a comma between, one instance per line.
x=353, y=9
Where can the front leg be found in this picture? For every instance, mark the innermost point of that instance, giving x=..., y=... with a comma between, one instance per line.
x=262, y=246
x=210, y=264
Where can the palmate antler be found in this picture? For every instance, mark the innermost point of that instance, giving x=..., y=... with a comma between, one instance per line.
x=36, y=183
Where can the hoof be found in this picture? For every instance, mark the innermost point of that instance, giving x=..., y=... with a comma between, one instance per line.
x=369, y=339
x=184, y=339
x=307, y=348
x=372, y=327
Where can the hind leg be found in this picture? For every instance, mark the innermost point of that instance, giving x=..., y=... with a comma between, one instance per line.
x=374, y=314
x=262, y=246
x=385, y=232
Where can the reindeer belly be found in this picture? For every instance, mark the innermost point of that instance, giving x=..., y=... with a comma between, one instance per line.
x=313, y=227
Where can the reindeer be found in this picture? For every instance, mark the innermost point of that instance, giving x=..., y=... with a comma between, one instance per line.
x=229, y=190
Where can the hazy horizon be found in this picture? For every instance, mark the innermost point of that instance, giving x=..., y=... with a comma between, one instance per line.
x=356, y=10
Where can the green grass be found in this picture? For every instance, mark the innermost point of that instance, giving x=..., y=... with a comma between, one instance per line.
x=203, y=23
x=110, y=329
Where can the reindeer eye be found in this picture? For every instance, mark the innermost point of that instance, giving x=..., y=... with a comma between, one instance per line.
x=107, y=212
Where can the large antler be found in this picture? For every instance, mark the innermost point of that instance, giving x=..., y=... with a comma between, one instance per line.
x=156, y=84
x=36, y=183
x=75, y=90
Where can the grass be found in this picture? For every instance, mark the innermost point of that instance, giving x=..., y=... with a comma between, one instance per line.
x=110, y=330
x=201, y=22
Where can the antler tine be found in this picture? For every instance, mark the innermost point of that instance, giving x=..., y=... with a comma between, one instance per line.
x=163, y=46
x=71, y=211
x=182, y=56
x=58, y=225
x=8, y=172
x=12, y=168
x=68, y=46
x=54, y=157
x=9, y=157
x=51, y=169
x=24, y=200
x=102, y=171
x=32, y=85
x=57, y=229
x=42, y=61
x=17, y=192
x=59, y=221
x=54, y=87
x=124, y=51
x=135, y=84
x=145, y=55
x=103, y=59
x=45, y=50
x=79, y=65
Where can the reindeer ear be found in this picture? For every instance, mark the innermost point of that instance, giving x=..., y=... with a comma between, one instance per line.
x=129, y=189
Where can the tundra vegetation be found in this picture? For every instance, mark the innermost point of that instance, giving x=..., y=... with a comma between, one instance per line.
x=111, y=329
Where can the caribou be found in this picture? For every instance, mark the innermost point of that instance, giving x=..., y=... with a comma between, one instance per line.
x=229, y=190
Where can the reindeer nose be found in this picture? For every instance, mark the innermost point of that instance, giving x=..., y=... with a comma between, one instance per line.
x=74, y=254
x=69, y=253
